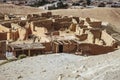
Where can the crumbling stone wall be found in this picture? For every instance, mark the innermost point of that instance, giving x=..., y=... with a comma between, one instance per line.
x=3, y=35
x=71, y=47
x=56, y=26
x=107, y=38
x=94, y=49
x=47, y=15
x=29, y=16
x=83, y=26
x=36, y=15
x=48, y=46
x=55, y=33
x=50, y=25
x=28, y=32
x=65, y=25
x=14, y=35
x=2, y=50
x=96, y=24
x=96, y=34
x=1, y=16
x=66, y=19
x=77, y=19
x=82, y=37
x=68, y=46
x=22, y=23
x=2, y=56
x=93, y=34
x=73, y=27
x=81, y=22
x=8, y=25
x=43, y=23
x=36, y=19
x=55, y=47
x=56, y=16
x=88, y=20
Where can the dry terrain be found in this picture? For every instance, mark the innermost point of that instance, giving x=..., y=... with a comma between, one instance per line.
x=66, y=66
x=63, y=67
x=13, y=9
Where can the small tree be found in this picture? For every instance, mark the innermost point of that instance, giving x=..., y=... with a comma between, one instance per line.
x=22, y=56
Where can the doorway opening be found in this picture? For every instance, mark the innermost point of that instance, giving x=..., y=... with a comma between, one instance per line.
x=60, y=48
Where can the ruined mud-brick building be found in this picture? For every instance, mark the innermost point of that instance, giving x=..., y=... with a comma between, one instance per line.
x=8, y=33
x=48, y=33
x=2, y=49
x=27, y=49
x=87, y=33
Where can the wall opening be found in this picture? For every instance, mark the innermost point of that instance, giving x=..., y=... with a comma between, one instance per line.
x=60, y=48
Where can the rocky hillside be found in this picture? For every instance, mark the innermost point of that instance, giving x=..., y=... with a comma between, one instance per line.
x=63, y=67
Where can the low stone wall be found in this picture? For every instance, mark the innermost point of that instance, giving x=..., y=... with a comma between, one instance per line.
x=88, y=20
x=48, y=47
x=65, y=25
x=2, y=57
x=82, y=37
x=43, y=23
x=3, y=35
x=83, y=26
x=22, y=23
x=94, y=49
x=47, y=15
x=2, y=50
x=96, y=24
x=8, y=25
x=14, y=35
x=77, y=19
x=63, y=20
x=81, y=22
x=68, y=46
x=72, y=27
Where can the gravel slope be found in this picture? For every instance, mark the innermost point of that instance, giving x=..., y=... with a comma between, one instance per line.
x=64, y=67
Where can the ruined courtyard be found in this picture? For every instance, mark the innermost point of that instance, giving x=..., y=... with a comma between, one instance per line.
x=45, y=33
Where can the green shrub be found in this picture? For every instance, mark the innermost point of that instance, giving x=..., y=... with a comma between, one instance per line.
x=22, y=56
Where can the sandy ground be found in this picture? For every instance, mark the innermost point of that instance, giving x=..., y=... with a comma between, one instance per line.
x=64, y=67
x=13, y=9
